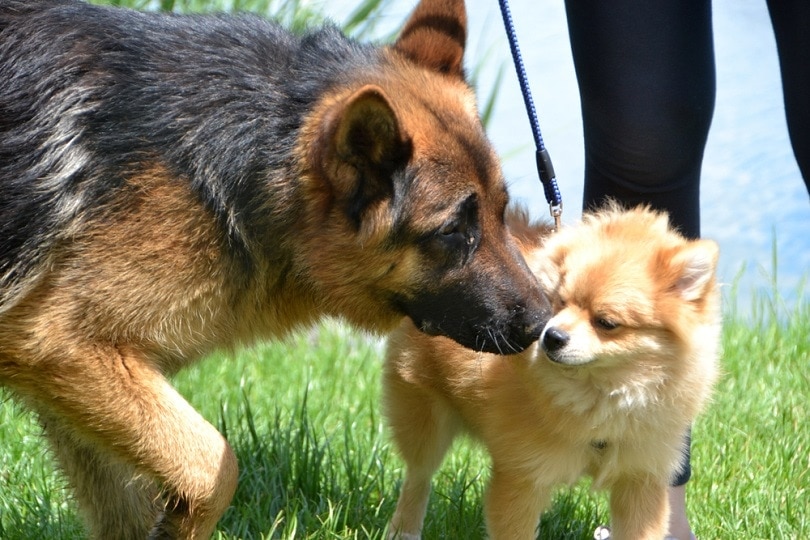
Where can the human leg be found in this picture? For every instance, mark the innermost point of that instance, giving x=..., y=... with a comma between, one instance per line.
x=791, y=20
x=647, y=85
x=679, y=528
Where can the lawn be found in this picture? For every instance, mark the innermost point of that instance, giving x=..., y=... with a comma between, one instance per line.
x=303, y=416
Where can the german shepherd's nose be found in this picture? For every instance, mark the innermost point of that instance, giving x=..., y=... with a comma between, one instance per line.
x=509, y=336
x=528, y=323
x=500, y=319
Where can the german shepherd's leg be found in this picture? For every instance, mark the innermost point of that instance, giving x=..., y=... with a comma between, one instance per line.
x=423, y=429
x=114, y=399
x=114, y=500
x=513, y=504
x=639, y=509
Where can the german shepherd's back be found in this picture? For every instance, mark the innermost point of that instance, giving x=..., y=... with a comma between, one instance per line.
x=91, y=96
x=170, y=185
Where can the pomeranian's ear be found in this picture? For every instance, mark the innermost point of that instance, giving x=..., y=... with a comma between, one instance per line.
x=695, y=265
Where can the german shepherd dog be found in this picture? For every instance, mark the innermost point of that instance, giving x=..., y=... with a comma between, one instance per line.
x=171, y=185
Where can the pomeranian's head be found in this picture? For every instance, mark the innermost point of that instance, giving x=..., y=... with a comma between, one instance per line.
x=627, y=286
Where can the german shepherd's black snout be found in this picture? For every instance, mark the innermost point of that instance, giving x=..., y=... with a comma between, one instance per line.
x=496, y=306
x=484, y=326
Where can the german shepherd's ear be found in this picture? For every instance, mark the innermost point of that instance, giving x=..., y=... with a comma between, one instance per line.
x=365, y=145
x=368, y=131
x=435, y=36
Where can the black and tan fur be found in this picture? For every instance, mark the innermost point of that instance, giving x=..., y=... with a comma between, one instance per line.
x=171, y=185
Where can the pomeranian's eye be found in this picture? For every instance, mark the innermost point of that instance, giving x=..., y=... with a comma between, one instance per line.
x=606, y=324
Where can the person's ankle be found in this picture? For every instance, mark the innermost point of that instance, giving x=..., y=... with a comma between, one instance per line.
x=679, y=528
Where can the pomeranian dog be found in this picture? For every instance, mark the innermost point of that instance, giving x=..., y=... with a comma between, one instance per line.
x=625, y=364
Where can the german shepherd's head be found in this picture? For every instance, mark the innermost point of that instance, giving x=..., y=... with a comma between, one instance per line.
x=409, y=198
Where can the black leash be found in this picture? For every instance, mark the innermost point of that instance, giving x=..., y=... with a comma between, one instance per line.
x=545, y=169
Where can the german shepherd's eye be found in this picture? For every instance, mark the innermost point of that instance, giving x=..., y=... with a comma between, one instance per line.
x=456, y=236
x=449, y=229
x=603, y=323
x=456, y=239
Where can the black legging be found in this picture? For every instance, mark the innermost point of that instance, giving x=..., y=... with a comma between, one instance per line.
x=791, y=25
x=647, y=84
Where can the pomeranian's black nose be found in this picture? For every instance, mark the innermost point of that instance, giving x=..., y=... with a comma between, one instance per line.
x=555, y=339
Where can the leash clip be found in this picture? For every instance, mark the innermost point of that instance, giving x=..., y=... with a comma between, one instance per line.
x=545, y=170
x=556, y=212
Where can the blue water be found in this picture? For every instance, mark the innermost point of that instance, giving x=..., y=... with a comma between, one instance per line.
x=753, y=197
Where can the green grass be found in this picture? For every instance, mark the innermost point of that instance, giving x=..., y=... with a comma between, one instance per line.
x=303, y=417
